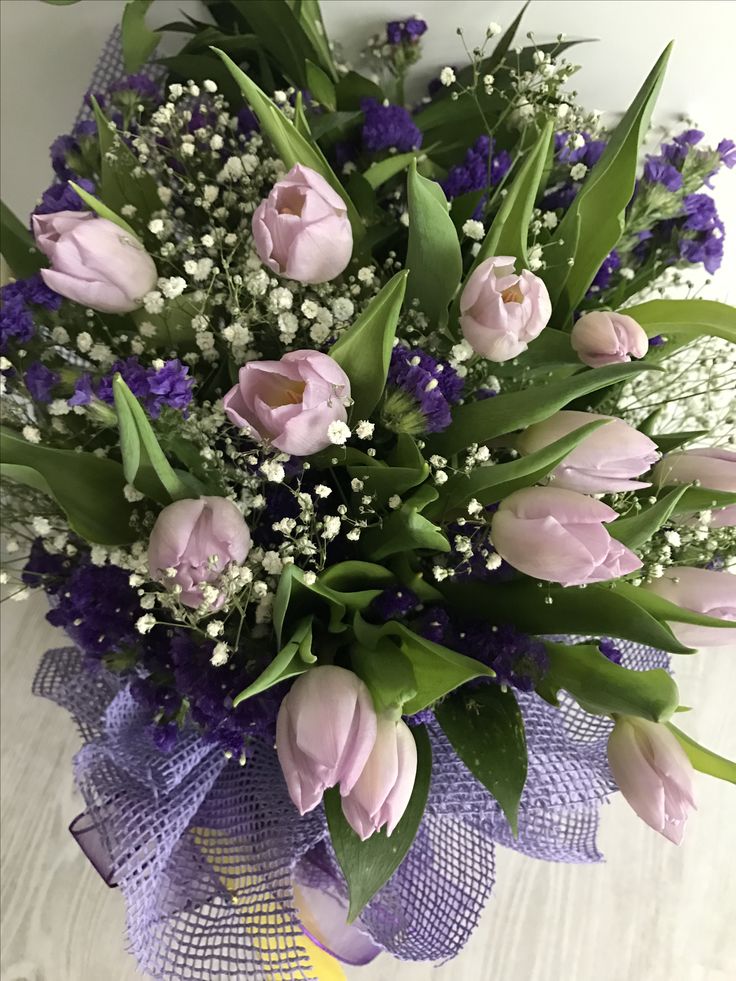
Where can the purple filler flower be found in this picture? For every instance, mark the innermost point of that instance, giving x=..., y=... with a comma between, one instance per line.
x=389, y=126
x=62, y=197
x=154, y=388
x=658, y=171
x=421, y=391
x=726, y=150
x=40, y=380
x=473, y=173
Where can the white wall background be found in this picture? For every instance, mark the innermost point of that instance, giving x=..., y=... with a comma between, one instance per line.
x=652, y=912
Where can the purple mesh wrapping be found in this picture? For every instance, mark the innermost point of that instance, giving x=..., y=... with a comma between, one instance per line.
x=205, y=850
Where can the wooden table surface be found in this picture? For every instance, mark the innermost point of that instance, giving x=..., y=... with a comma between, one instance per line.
x=652, y=912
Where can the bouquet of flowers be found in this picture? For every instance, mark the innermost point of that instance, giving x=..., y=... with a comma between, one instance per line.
x=371, y=473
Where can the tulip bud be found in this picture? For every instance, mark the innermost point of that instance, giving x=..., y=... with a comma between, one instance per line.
x=653, y=773
x=708, y=466
x=382, y=791
x=301, y=230
x=702, y=591
x=501, y=312
x=603, y=337
x=604, y=462
x=197, y=539
x=93, y=261
x=325, y=732
x=290, y=403
x=558, y=535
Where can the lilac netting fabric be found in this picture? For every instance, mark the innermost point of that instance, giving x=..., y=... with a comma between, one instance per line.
x=206, y=852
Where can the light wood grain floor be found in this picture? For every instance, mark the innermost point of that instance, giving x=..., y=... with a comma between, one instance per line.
x=651, y=913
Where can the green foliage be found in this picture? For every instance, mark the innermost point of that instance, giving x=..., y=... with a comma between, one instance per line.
x=666, y=611
x=364, y=349
x=118, y=185
x=639, y=528
x=368, y=865
x=144, y=462
x=383, y=170
x=493, y=483
x=387, y=673
x=87, y=488
x=404, y=468
x=705, y=760
x=405, y=529
x=102, y=210
x=486, y=729
x=602, y=687
x=289, y=144
x=437, y=669
x=292, y=660
x=478, y=422
x=138, y=41
x=321, y=87
x=597, y=610
x=17, y=245
x=601, y=205
x=686, y=319
x=433, y=257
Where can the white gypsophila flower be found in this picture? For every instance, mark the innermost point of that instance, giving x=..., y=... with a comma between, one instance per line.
x=272, y=563
x=493, y=562
x=59, y=407
x=215, y=628
x=394, y=502
x=220, y=654
x=365, y=429
x=147, y=329
x=217, y=142
x=338, y=433
x=310, y=578
x=172, y=287
x=281, y=298
x=156, y=226
x=41, y=525
x=342, y=308
x=309, y=308
x=550, y=219
x=101, y=353
x=474, y=229
x=165, y=195
x=447, y=76
x=578, y=171
x=132, y=493
x=437, y=461
x=563, y=110
x=535, y=257
x=31, y=434
x=209, y=85
x=319, y=332
x=488, y=81
x=493, y=29
x=146, y=623
x=186, y=148
x=460, y=352
x=356, y=485
x=273, y=471
x=60, y=335
x=441, y=477
x=4, y=578
x=353, y=535
x=128, y=210
x=153, y=302
x=474, y=507
x=330, y=527
x=84, y=342
x=321, y=490
x=673, y=538
x=440, y=573
x=366, y=275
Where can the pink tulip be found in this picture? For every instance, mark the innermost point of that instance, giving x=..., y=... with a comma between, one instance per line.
x=558, y=535
x=653, y=773
x=94, y=261
x=301, y=230
x=701, y=591
x=325, y=732
x=382, y=791
x=196, y=540
x=603, y=337
x=500, y=311
x=707, y=466
x=604, y=462
x=290, y=403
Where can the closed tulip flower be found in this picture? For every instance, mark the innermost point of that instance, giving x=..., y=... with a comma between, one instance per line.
x=559, y=535
x=290, y=403
x=193, y=542
x=603, y=337
x=382, y=791
x=302, y=230
x=701, y=591
x=500, y=312
x=325, y=732
x=653, y=773
x=707, y=466
x=605, y=462
x=93, y=261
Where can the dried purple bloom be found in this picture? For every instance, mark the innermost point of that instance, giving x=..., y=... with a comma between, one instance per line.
x=609, y=650
x=726, y=150
x=389, y=126
x=40, y=380
x=394, y=32
x=658, y=171
x=394, y=603
x=603, y=277
x=473, y=173
x=82, y=391
x=62, y=197
x=656, y=341
x=155, y=388
x=421, y=390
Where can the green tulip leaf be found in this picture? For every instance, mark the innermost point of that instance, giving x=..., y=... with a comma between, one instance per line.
x=686, y=319
x=17, y=245
x=368, y=865
x=638, y=529
x=486, y=729
x=387, y=673
x=123, y=180
x=705, y=760
x=138, y=41
x=292, y=660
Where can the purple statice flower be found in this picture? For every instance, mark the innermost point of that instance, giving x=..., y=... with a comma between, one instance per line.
x=657, y=341
x=707, y=249
x=588, y=152
x=609, y=650
x=164, y=736
x=40, y=380
x=706, y=245
x=394, y=32
x=414, y=28
x=388, y=127
x=421, y=390
x=394, y=603
x=603, y=277
x=62, y=197
x=16, y=319
x=46, y=569
x=473, y=173
x=658, y=171
x=405, y=31
x=702, y=215
x=35, y=291
x=726, y=150
x=247, y=121
x=61, y=149
x=154, y=388
x=142, y=87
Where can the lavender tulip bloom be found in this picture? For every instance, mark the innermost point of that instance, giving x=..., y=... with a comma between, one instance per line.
x=197, y=539
x=301, y=230
x=708, y=466
x=702, y=591
x=558, y=535
x=290, y=403
x=603, y=337
x=653, y=773
x=501, y=312
x=325, y=732
x=93, y=261
x=382, y=791
x=606, y=460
